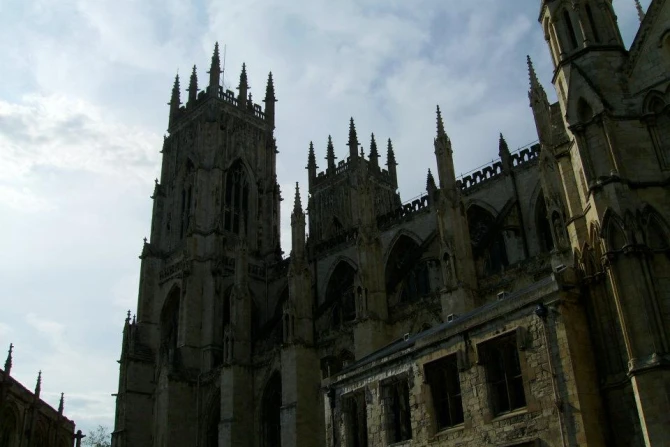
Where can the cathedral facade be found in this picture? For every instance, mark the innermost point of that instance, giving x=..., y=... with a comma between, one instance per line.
x=527, y=303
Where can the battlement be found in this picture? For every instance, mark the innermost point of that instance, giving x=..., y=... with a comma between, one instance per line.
x=344, y=165
x=520, y=158
x=404, y=212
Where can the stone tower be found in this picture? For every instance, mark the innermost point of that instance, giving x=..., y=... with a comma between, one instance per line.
x=605, y=143
x=205, y=272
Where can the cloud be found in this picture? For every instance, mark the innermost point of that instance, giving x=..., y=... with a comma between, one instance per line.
x=83, y=107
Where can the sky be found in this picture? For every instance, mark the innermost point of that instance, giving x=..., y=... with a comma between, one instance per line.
x=83, y=110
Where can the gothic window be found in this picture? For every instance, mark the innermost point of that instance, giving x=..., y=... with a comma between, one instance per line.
x=226, y=308
x=356, y=420
x=271, y=408
x=488, y=244
x=395, y=396
x=543, y=226
x=406, y=274
x=503, y=372
x=445, y=389
x=236, y=199
x=660, y=129
x=340, y=291
x=186, y=199
x=592, y=22
x=570, y=29
x=170, y=326
x=212, y=434
x=8, y=428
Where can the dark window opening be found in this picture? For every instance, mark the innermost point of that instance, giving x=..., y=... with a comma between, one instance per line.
x=445, y=388
x=571, y=30
x=212, y=434
x=398, y=413
x=340, y=292
x=357, y=421
x=170, y=327
x=592, y=22
x=226, y=308
x=488, y=243
x=271, y=419
x=406, y=272
x=543, y=226
x=503, y=371
x=236, y=199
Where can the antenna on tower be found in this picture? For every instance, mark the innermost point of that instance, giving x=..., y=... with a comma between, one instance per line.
x=223, y=71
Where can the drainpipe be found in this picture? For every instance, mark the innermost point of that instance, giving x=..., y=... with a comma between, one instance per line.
x=542, y=312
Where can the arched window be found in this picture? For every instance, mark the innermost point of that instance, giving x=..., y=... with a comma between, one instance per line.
x=236, y=199
x=543, y=226
x=340, y=291
x=592, y=22
x=8, y=428
x=213, y=420
x=659, y=127
x=169, y=327
x=405, y=272
x=187, y=198
x=271, y=408
x=488, y=244
x=570, y=29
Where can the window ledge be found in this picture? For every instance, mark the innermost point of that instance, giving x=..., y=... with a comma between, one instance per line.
x=510, y=414
x=447, y=431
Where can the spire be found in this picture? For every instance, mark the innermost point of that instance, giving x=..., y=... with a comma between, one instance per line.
x=61, y=404
x=215, y=72
x=175, y=101
x=270, y=100
x=440, y=125
x=311, y=165
x=374, y=155
x=353, y=140
x=8, y=362
x=193, y=87
x=504, y=153
x=640, y=11
x=297, y=204
x=38, y=385
x=330, y=154
x=391, y=164
x=270, y=90
x=243, y=86
x=536, y=92
x=430, y=182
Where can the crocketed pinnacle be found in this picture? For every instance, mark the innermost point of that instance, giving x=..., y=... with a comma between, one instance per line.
x=311, y=158
x=297, y=203
x=175, y=99
x=244, y=84
x=374, y=155
x=353, y=138
x=193, y=86
x=440, y=125
x=8, y=362
x=61, y=404
x=390, y=155
x=330, y=153
x=270, y=90
x=430, y=182
x=640, y=11
x=216, y=61
x=38, y=385
x=503, y=148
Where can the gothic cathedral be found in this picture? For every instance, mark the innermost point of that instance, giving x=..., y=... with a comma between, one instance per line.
x=525, y=304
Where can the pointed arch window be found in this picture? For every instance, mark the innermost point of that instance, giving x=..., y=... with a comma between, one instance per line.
x=659, y=128
x=488, y=243
x=169, y=326
x=570, y=29
x=214, y=417
x=341, y=291
x=592, y=23
x=8, y=428
x=186, y=198
x=406, y=273
x=271, y=408
x=236, y=199
x=543, y=225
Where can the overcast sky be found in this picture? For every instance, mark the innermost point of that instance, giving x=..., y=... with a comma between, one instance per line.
x=83, y=110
